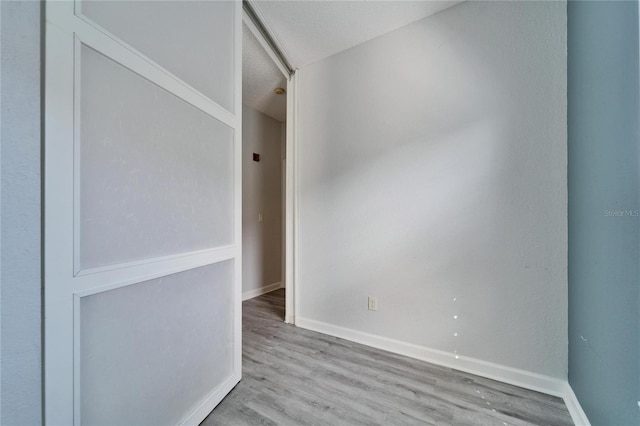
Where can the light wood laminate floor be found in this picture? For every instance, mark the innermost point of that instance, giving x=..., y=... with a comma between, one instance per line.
x=293, y=376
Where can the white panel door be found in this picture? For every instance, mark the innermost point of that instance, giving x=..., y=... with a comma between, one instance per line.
x=142, y=210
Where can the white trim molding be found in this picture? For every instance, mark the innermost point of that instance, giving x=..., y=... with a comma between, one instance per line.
x=575, y=409
x=260, y=291
x=513, y=376
x=291, y=202
x=214, y=398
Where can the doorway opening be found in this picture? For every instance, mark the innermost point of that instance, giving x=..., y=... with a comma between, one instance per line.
x=266, y=191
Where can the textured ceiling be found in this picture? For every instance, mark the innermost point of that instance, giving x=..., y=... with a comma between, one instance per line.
x=310, y=30
x=259, y=77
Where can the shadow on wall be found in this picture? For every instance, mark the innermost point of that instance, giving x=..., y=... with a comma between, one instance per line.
x=433, y=167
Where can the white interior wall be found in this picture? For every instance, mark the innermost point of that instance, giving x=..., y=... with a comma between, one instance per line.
x=261, y=194
x=432, y=175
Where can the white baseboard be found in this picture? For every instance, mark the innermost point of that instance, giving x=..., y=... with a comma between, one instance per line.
x=513, y=376
x=575, y=409
x=260, y=291
x=214, y=398
x=522, y=378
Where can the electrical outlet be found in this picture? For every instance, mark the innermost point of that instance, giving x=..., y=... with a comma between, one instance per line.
x=373, y=303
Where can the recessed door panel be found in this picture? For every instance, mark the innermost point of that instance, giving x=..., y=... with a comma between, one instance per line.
x=140, y=340
x=185, y=37
x=156, y=173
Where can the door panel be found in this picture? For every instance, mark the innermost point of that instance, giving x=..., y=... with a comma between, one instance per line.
x=139, y=341
x=142, y=215
x=145, y=150
x=183, y=39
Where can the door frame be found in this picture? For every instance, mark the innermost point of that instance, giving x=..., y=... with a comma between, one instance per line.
x=291, y=203
x=290, y=230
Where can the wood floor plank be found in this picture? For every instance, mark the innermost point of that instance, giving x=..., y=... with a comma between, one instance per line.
x=293, y=376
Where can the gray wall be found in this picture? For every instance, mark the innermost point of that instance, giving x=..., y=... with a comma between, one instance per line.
x=604, y=326
x=432, y=173
x=261, y=193
x=20, y=213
